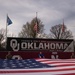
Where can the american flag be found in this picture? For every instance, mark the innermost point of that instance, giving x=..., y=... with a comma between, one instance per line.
x=37, y=67
x=36, y=27
x=63, y=27
x=36, y=24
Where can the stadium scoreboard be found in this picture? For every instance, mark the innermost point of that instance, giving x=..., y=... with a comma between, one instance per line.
x=25, y=44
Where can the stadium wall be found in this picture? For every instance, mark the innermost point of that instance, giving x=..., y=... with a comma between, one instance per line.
x=34, y=54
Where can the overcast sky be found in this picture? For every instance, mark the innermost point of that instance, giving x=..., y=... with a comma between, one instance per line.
x=51, y=12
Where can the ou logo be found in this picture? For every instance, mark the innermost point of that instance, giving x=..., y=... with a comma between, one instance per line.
x=14, y=45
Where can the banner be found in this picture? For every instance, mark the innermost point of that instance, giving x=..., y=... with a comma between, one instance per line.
x=53, y=45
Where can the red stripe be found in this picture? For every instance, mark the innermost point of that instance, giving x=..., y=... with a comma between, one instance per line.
x=30, y=71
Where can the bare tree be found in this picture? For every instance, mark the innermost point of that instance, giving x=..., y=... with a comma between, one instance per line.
x=2, y=37
x=28, y=29
x=60, y=32
x=25, y=30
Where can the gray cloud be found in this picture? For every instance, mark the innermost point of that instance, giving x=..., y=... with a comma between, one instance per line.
x=51, y=12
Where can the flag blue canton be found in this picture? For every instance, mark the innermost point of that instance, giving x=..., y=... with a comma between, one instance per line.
x=9, y=20
x=21, y=64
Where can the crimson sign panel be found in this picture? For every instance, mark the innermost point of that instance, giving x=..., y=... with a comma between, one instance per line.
x=25, y=44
